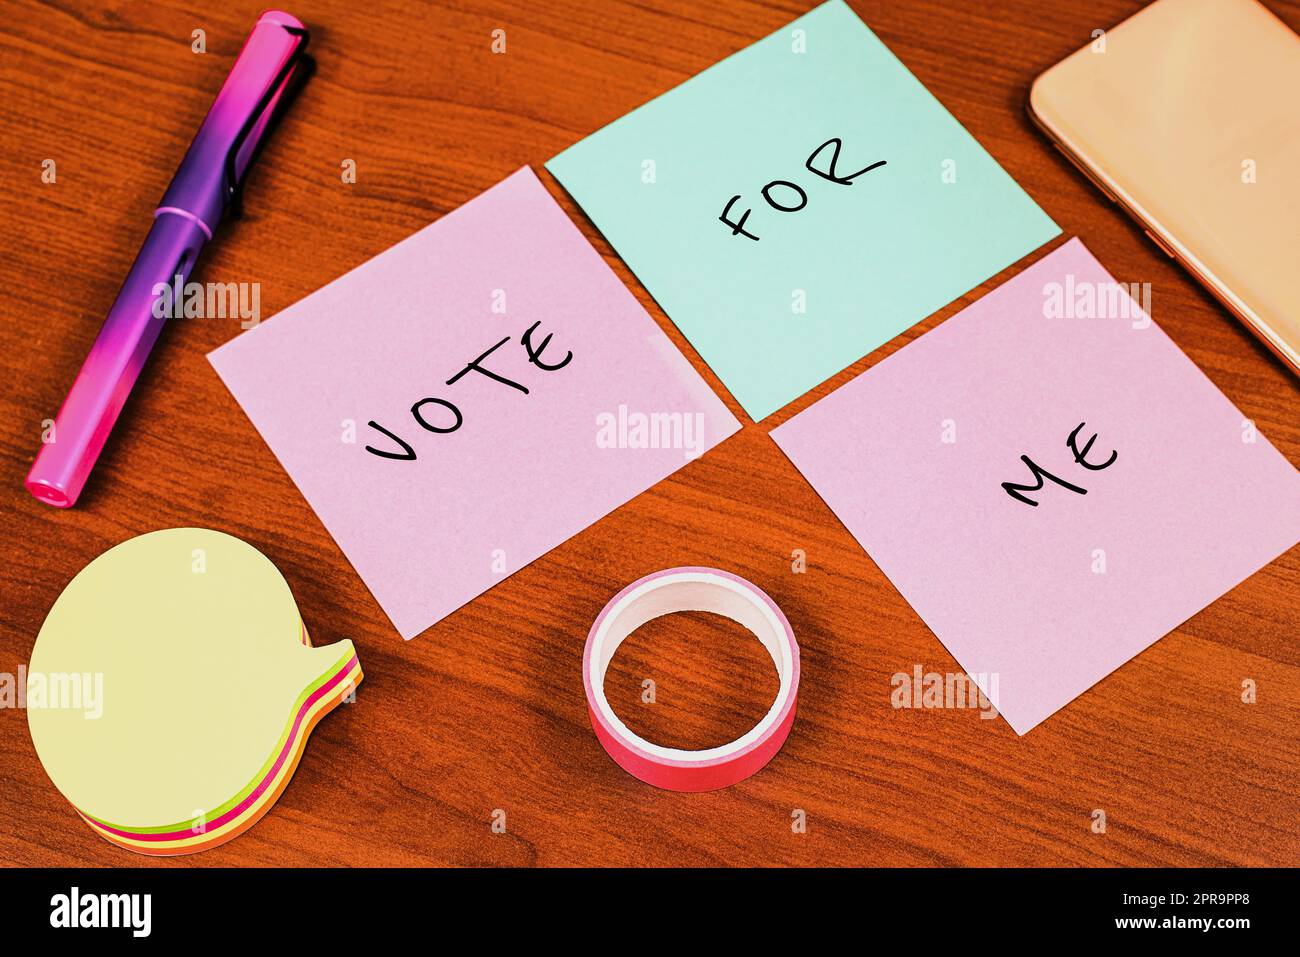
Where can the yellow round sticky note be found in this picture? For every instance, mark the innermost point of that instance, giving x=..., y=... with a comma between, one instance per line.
x=172, y=688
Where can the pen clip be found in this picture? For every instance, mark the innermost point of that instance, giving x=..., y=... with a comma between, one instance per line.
x=288, y=82
x=265, y=77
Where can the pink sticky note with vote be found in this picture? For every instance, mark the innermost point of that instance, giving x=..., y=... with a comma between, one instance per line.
x=518, y=393
x=1176, y=499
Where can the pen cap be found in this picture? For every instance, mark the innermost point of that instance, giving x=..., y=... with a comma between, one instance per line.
x=215, y=162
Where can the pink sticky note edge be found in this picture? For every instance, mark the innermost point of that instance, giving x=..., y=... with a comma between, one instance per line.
x=525, y=472
x=1188, y=510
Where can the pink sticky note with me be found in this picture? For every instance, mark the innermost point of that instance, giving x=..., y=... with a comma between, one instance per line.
x=1157, y=495
x=518, y=393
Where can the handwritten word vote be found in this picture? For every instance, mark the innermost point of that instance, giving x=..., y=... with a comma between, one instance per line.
x=448, y=413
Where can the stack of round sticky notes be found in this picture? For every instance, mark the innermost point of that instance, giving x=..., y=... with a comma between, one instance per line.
x=172, y=689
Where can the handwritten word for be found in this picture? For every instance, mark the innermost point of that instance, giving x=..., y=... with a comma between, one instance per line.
x=787, y=197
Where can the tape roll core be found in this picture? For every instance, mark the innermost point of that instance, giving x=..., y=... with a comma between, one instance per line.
x=691, y=589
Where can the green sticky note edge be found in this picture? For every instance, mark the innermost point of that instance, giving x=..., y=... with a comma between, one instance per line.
x=857, y=264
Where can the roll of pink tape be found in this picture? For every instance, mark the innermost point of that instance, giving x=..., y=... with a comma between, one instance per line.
x=691, y=589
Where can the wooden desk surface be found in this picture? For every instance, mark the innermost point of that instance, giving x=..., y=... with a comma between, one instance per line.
x=486, y=710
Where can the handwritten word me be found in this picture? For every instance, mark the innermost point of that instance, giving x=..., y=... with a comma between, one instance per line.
x=1039, y=473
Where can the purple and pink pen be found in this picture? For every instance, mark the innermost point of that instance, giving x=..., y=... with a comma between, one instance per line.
x=204, y=187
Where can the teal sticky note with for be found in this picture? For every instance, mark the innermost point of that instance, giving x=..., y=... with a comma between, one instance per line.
x=800, y=203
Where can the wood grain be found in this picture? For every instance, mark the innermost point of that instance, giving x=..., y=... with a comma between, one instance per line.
x=486, y=710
